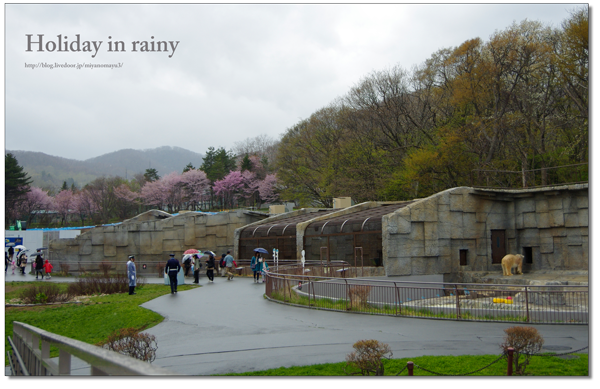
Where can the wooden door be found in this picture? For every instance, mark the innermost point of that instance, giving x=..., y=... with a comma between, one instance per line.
x=498, y=245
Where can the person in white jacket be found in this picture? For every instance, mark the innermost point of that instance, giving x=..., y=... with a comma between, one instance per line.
x=131, y=276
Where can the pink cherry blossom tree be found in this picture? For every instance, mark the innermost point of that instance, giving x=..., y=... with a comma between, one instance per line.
x=250, y=188
x=127, y=201
x=84, y=205
x=35, y=202
x=196, y=187
x=229, y=188
x=166, y=192
x=267, y=189
x=64, y=205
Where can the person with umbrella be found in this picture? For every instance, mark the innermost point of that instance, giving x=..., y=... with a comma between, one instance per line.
x=172, y=269
x=197, y=266
x=22, y=261
x=210, y=266
x=39, y=265
x=131, y=276
x=254, y=265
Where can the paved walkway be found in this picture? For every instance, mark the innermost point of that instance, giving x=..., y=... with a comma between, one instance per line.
x=228, y=326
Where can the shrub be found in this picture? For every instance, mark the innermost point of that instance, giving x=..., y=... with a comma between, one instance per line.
x=104, y=267
x=41, y=298
x=525, y=341
x=100, y=284
x=358, y=295
x=64, y=269
x=160, y=268
x=367, y=357
x=128, y=341
x=43, y=294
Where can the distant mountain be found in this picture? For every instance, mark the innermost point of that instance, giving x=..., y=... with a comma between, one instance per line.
x=51, y=171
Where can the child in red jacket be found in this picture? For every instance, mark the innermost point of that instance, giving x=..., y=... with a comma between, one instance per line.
x=48, y=268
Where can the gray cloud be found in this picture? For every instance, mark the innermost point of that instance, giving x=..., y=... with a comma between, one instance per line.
x=239, y=70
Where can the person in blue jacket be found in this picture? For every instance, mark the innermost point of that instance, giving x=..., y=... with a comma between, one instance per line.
x=254, y=265
x=131, y=276
x=171, y=270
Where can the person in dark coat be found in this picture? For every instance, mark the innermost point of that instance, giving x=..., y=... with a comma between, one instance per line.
x=131, y=275
x=222, y=267
x=210, y=268
x=171, y=269
x=197, y=266
x=39, y=265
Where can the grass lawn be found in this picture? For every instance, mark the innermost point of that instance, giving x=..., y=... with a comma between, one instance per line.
x=448, y=365
x=90, y=322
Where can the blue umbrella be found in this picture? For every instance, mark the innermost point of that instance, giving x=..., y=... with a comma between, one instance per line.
x=261, y=250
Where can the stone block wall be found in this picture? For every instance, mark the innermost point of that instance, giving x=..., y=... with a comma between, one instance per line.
x=427, y=236
x=153, y=235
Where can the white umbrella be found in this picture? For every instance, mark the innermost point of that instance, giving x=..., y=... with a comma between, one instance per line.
x=20, y=247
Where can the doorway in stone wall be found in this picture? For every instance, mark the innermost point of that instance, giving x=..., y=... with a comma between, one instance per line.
x=498, y=246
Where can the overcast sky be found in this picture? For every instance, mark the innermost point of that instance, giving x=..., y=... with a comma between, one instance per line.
x=237, y=71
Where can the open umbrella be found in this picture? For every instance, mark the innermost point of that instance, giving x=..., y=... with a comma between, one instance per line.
x=261, y=250
x=209, y=253
x=191, y=251
x=20, y=247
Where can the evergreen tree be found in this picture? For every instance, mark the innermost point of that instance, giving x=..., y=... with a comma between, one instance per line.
x=151, y=175
x=16, y=183
x=188, y=167
x=246, y=163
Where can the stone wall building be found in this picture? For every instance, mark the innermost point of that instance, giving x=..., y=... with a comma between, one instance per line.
x=153, y=235
x=452, y=233
x=467, y=229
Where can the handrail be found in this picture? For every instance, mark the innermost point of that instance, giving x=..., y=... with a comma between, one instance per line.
x=102, y=361
x=443, y=283
x=542, y=304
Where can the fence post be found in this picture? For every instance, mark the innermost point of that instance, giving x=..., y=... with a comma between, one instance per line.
x=509, y=370
x=397, y=299
x=527, y=304
x=347, y=294
x=410, y=367
x=457, y=302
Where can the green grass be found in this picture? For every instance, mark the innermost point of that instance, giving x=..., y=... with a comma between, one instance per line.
x=448, y=365
x=90, y=322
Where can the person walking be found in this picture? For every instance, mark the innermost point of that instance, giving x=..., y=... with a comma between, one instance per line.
x=171, y=270
x=229, y=264
x=5, y=262
x=254, y=266
x=210, y=268
x=13, y=262
x=39, y=265
x=187, y=264
x=48, y=268
x=131, y=276
x=222, y=266
x=197, y=266
x=22, y=262
x=263, y=268
x=11, y=259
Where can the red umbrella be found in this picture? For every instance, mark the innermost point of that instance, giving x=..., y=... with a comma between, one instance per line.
x=191, y=251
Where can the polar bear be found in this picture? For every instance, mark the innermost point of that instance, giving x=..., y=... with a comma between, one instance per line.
x=511, y=260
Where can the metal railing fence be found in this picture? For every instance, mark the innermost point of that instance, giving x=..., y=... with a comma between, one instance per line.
x=532, y=178
x=314, y=287
x=29, y=359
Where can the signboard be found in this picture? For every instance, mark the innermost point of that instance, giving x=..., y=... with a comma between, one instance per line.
x=13, y=241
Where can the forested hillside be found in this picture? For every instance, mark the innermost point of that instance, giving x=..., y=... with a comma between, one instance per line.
x=49, y=171
x=515, y=102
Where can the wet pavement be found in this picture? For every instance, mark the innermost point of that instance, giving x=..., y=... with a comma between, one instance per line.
x=228, y=326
